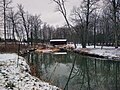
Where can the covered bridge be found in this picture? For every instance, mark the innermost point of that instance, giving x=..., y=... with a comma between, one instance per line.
x=58, y=42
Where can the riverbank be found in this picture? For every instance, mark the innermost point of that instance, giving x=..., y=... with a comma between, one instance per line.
x=12, y=47
x=106, y=52
x=15, y=75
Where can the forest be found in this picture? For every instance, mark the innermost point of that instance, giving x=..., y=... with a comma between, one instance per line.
x=93, y=22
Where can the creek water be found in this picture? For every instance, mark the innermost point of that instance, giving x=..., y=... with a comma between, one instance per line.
x=71, y=71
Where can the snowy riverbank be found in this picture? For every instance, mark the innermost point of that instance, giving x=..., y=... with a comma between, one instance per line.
x=106, y=52
x=14, y=75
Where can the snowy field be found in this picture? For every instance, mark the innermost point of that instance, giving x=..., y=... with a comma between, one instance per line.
x=106, y=51
x=14, y=75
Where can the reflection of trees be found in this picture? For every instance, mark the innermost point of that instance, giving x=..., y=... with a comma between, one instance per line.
x=84, y=73
x=41, y=63
x=52, y=73
x=94, y=74
x=70, y=74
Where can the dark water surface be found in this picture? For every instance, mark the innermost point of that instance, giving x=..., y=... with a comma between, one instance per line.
x=72, y=71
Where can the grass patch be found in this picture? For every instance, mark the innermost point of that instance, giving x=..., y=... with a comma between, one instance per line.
x=11, y=48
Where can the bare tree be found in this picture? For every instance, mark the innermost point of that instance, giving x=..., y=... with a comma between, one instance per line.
x=82, y=16
x=24, y=22
x=61, y=8
x=35, y=23
x=114, y=7
x=94, y=21
x=88, y=8
x=4, y=5
x=14, y=18
x=78, y=19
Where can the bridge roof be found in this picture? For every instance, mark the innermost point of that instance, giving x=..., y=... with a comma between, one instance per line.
x=53, y=40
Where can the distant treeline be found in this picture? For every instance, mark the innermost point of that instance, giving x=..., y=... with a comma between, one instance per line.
x=94, y=22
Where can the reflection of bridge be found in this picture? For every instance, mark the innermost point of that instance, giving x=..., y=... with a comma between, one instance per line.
x=60, y=53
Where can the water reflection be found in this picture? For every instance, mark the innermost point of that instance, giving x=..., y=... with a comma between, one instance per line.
x=75, y=72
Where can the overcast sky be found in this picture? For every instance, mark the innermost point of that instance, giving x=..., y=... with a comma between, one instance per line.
x=46, y=8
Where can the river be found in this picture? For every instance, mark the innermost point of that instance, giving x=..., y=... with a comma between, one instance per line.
x=71, y=71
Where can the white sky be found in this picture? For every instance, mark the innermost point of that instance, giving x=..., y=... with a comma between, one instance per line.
x=46, y=8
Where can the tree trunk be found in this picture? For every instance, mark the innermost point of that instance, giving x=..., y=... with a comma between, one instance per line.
x=4, y=2
x=94, y=34
x=115, y=23
x=87, y=24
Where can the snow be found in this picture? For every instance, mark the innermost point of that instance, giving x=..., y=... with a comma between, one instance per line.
x=14, y=75
x=97, y=47
x=70, y=45
x=4, y=57
x=58, y=40
x=108, y=52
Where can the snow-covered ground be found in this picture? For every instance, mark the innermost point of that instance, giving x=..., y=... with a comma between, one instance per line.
x=97, y=47
x=106, y=51
x=14, y=75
